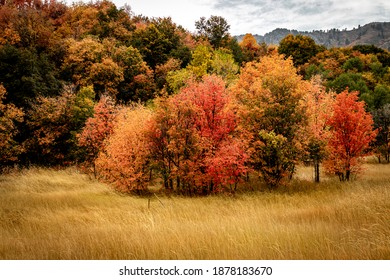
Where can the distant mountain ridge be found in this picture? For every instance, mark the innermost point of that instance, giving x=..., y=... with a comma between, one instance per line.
x=375, y=33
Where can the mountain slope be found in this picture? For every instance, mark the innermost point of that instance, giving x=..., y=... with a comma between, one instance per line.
x=375, y=33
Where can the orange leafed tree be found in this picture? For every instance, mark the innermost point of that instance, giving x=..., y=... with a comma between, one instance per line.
x=351, y=134
x=125, y=159
x=251, y=49
x=270, y=100
x=319, y=108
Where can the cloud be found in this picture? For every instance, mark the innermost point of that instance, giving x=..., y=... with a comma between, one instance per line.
x=261, y=16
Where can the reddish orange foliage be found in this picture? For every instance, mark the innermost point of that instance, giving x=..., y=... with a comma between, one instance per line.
x=351, y=134
x=97, y=129
x=215, y=123
x=192, y=141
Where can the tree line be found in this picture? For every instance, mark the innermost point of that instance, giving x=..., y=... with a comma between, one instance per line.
x=130, y=98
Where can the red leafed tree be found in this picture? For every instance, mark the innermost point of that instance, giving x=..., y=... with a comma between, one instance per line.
x=173, y=141
x=351, y=134
x=228, y=164
x=215, y=124
x=214, y=120
x=97, y=129
x=191, y=133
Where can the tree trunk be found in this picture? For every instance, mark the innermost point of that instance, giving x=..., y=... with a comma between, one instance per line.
x=341, y=176
x=316, y=171
x=347, y=175
x=170, y=183
x=178, y=183
x=94, y=170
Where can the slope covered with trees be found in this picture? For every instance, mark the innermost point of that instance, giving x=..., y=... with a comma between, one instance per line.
x=374, y=33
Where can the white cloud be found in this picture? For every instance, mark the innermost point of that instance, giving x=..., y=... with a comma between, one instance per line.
x=261, y=16
x=183, y=12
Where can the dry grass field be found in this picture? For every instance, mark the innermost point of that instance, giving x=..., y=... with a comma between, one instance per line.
x=51, y=214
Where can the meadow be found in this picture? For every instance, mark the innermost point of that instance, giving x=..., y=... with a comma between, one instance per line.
x=64, y=214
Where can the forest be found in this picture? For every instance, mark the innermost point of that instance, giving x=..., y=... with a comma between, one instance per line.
x=133, y=100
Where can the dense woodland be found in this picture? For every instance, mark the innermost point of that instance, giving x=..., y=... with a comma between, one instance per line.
x=131, y=98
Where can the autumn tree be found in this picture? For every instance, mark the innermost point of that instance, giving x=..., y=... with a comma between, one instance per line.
x=223, y=65
x=78, y=21
x=124, y=162
x=215, y=29
x=113, y=70
x=172, y=140
x=159, y=40
x=215, y=124
x=319, y=104
x=10, y=115
x=351, y=135
x=201, y=60
x=191, y=133
x=204, y=61
x=270, y=97
x=32, y=74
x=80, y=57
x=106, y=76
x=25, y=25
x=326, y=63
x=198, y=67
x=112, y=22
x=91, y=62
x=101, y=19
x=138, y=78
x=300, y=48
x=97, y=129
x=251, y=49
x=9, y=34
x=382, y=124
x=49, y=124
x=52, y=124
x=162, y=71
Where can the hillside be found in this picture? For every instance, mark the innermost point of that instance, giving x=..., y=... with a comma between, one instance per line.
x=376, y=33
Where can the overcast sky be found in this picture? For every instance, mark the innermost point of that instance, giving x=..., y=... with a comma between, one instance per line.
x=262, y=16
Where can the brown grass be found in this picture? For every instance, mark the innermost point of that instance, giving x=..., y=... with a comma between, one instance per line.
x=48, y=214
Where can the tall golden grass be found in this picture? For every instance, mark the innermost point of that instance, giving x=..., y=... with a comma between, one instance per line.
x=49, y=214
